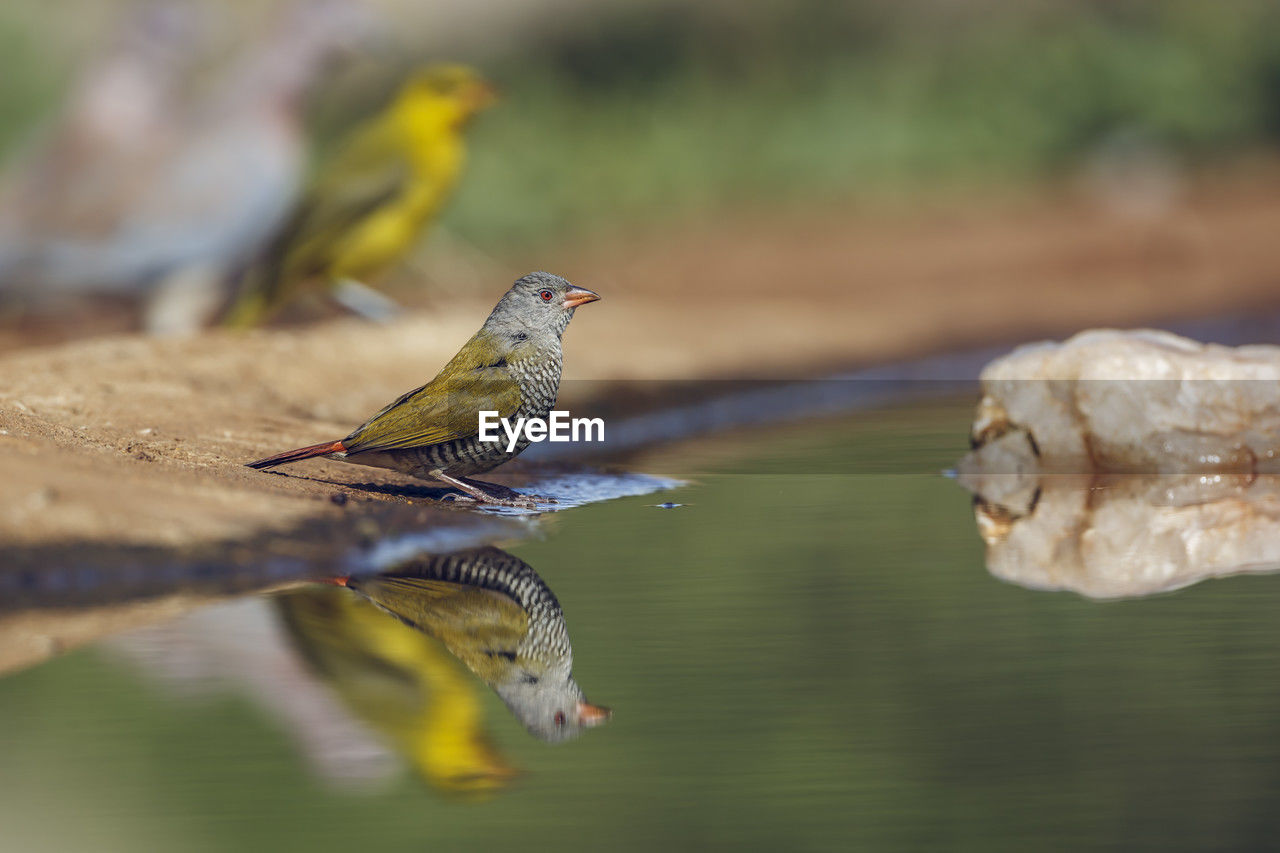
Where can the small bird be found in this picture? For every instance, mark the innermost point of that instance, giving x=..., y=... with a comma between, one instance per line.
x=511, y=366
x=371, y=203
x=495, y=614
x=403, y=684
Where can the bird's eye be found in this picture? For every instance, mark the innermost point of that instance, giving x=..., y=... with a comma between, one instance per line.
x=546, y=295
x=559, y=718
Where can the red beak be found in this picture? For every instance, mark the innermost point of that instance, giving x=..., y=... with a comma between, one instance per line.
x=579, y=296
x=588, y=714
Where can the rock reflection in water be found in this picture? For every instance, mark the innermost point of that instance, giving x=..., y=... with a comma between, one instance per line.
x=1131, y=535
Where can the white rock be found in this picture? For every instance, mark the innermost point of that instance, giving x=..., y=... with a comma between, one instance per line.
x=1127, y=463
x=1141, y=401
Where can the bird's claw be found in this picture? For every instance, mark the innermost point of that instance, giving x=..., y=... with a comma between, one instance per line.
x=494, y=494
x=518, y=501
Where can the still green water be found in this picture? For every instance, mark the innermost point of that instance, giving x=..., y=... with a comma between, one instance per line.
x=808, y=654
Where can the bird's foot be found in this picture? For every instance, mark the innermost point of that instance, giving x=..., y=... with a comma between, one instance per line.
x=505, y=492
x=521, y=502
x=480, y=492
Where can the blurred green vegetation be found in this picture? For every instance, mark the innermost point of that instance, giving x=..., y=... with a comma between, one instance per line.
x=649, y=111
x=795, y=662
x=650, y=116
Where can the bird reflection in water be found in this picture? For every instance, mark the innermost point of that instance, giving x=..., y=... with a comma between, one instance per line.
x=387, y=645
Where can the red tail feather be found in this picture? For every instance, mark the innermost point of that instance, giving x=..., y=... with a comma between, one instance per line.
x=288, y=456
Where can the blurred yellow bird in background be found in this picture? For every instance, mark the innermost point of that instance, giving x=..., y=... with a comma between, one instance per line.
x=370, y=204
x=401, y=682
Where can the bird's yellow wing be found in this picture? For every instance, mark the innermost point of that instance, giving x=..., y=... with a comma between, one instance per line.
x=368, y=174
x=342, y=637
x=363, y=178
x=446, y=408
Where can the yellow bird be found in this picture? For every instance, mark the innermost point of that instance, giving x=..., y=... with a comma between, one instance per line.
x=401, y=682
x=371, y=203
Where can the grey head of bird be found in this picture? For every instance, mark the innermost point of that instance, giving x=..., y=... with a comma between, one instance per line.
x=539, y=305
x=550, y=705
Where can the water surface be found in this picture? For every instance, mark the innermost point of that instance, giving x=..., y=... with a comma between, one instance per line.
x=808, y=653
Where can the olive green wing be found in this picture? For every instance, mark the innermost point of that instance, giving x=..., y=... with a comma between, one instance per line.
x=446, y=408
x=482, y=628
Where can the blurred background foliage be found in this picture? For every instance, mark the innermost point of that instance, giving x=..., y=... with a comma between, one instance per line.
x=629, y=113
